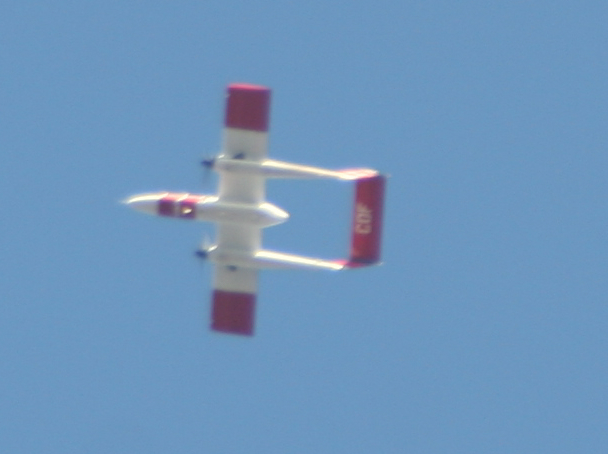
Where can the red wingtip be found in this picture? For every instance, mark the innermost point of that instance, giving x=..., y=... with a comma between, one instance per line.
x=248, y=107
x=233, y=312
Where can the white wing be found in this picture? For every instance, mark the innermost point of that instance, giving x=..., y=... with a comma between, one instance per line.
x=246, y=139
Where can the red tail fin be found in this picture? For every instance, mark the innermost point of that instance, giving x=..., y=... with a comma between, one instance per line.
x=367, y=221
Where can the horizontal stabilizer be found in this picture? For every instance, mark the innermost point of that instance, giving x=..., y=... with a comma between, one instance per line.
x=233, y=312
x=248, y=107
x=367, y=221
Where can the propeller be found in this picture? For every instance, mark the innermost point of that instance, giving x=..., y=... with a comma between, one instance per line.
x=201, y=254
x=208, y=163
x=203, y=251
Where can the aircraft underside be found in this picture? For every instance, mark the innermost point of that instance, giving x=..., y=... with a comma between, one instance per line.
x=241, y=212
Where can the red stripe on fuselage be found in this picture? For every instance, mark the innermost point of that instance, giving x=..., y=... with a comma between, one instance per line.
x=179, y=205
x=248, y=107
x=166, y=205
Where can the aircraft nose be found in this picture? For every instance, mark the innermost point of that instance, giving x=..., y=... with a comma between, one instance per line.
x=143, y=203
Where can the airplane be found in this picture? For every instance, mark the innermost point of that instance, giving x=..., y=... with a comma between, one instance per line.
x=241, y=211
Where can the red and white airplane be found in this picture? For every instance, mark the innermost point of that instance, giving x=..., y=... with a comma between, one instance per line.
x=241, y=211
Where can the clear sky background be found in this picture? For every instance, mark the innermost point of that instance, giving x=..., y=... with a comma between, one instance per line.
x=483, y=332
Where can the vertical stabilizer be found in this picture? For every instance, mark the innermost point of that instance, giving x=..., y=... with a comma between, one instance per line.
x=367, y=221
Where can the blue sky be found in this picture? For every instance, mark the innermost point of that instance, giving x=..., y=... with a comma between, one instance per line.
x=485, y=329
